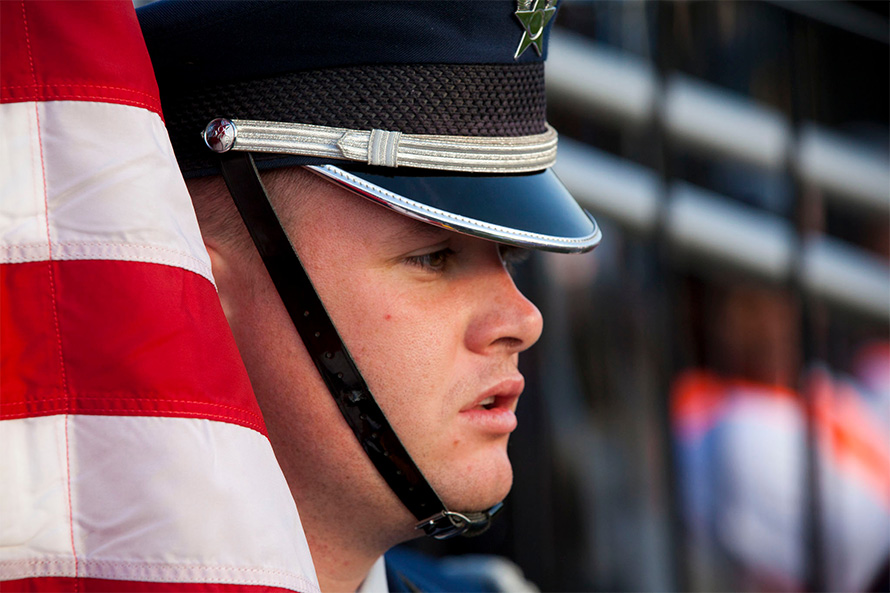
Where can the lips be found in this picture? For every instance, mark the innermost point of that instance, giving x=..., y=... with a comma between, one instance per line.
x=493, y=410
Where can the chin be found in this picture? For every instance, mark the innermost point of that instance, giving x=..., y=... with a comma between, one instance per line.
x=483, y=485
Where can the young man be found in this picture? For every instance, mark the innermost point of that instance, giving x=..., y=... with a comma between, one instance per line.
x=364, y=273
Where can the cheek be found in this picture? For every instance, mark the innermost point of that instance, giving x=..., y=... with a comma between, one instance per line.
x=408, y=349
x=403, y=346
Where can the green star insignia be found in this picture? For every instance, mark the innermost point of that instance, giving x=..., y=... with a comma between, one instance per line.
x=533, y=20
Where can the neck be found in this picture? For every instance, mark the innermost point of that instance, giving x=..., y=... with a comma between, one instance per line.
x=346, y=541
x=340, y=569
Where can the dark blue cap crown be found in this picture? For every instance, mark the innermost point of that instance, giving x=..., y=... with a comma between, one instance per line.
x=417, y=67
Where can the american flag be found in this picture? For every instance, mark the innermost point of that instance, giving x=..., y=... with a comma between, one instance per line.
x=133, y=456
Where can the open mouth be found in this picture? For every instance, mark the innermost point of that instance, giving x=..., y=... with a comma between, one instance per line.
x=488, y=403
x=499, y=400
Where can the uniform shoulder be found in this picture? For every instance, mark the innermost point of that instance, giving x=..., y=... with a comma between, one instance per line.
x=409, y=570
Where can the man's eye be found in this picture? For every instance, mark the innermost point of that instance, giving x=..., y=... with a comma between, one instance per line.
x=435, y=261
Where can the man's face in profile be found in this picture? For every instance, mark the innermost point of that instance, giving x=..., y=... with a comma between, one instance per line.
x=435, y=325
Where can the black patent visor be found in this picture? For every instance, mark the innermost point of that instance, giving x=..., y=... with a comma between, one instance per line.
x=533, y=211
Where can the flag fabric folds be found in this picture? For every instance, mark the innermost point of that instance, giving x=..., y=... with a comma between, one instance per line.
x=134, y=456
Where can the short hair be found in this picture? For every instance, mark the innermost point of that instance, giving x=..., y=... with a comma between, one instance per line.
x=218, y=216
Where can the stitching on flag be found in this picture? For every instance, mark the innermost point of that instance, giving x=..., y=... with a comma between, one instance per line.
x=52, y=286
x=102, y=98
x=117, y=412
x=256, y=423
x=85, y=85
x=19, y=253
x=28, y=43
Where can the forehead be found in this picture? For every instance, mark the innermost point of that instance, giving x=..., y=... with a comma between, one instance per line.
x=314, y=208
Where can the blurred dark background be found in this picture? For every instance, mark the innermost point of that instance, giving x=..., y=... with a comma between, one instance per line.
x=709, y=406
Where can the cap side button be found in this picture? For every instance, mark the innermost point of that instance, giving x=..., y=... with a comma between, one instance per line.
x=219, y=135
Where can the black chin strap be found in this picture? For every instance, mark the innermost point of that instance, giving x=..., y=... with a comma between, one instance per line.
x=334, y=362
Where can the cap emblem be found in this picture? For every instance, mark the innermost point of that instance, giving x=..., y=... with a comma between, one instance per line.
x=533, y=15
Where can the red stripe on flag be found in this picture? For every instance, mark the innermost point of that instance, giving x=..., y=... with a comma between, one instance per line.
x=77, y=51
x=108, y=586
x=137, y=339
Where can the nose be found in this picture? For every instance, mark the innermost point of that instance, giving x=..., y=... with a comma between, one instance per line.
x=505, y=320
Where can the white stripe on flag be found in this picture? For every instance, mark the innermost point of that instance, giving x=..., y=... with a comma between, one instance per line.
x=115, y=194
x=152, y=500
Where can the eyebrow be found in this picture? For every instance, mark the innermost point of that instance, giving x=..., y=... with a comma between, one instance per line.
x=416, y=231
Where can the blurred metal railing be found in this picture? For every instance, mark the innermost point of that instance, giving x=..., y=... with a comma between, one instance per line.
x=725, y=232
x=612, y=84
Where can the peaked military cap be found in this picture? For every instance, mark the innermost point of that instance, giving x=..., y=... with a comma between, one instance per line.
x=435, y=109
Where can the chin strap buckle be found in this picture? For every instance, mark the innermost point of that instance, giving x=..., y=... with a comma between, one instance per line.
x=448, y=524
